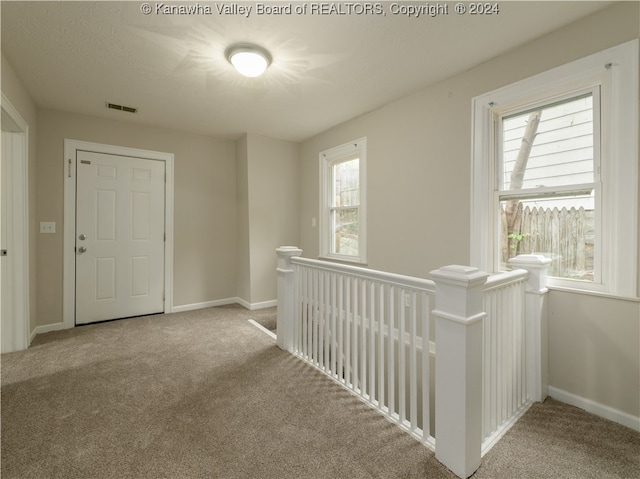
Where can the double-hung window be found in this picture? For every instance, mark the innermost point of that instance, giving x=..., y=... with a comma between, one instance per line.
x=555, y=173
x=343, y=202
x=547, y=191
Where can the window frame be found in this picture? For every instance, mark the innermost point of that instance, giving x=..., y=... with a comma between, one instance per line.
x=329, y=158
x=615, y=71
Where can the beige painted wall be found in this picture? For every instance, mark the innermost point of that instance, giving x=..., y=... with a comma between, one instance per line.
x=418, y=182
x=21, y=101
x=271, y=213
x=204, y=205
x=594, y=348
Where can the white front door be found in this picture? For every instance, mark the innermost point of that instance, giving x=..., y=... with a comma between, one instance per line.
x=120, y=237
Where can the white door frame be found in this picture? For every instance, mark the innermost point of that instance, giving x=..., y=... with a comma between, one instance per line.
x=18, y=225
x=69, y=256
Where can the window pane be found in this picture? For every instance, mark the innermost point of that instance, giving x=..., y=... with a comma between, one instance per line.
x=562, y=229
x=346, y=179
x=344, y=224
x=552, y=146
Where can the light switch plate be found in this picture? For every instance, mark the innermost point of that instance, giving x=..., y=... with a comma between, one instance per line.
x=47, y=227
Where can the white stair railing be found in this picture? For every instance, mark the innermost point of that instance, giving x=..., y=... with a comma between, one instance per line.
x=504, y=372
x=514, y=345
x=369, y=331
x=372, y=332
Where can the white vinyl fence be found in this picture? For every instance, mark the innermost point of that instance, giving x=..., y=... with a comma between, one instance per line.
x=373, y=332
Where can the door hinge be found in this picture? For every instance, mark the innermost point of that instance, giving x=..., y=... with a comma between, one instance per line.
x=165, y=237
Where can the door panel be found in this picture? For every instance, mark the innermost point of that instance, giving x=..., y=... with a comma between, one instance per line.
x=120, y=237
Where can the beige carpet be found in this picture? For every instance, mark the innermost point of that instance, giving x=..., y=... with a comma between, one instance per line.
x=206, y=394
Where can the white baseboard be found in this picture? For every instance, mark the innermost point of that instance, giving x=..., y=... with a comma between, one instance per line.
x=224, y=302
x=176, y=309
x=264, y=304
x=46, y=328
x=598, y=409
x=494, y=438
x=206, y=304
x=269, y=333
x=254, y=306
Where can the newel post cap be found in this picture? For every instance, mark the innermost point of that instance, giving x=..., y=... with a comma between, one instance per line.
x=285, y=253
x=537, y=266
x=462, y=275
x=527, y=261
x=288, y=251
x=459, y=293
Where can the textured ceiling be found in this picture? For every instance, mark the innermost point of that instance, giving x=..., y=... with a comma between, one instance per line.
x=327, y=68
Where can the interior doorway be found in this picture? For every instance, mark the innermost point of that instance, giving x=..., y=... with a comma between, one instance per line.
x=14, y=232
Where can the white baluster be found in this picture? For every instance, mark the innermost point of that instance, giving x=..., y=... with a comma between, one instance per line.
x=354, y=336
x=426, y=373
x=413, y=406
x=372, y=343
x=363, y=337
x=381, y=361
x=402, y=387
x=391, y=399
x=334, y=323
x=341, y=321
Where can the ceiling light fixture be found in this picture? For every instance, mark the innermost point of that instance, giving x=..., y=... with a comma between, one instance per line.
x=250, y=60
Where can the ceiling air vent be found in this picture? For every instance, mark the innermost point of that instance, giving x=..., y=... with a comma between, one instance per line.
x=128, y=109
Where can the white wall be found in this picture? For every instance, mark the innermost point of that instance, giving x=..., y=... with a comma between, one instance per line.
x=418, y=154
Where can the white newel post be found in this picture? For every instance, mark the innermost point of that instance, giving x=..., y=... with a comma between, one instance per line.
x=459, y=313
x=286, y=296
x=536, y=321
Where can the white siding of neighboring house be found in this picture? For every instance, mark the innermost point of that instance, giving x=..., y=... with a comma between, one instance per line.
x=562, y=153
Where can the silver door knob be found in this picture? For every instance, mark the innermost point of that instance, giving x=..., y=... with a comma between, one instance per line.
x=82, y=237
x=82, y=249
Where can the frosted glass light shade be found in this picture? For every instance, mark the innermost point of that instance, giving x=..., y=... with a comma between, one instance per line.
x=249, y=60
